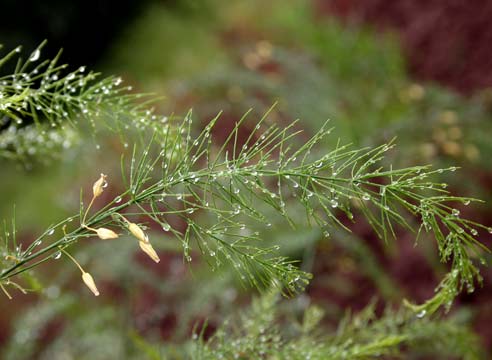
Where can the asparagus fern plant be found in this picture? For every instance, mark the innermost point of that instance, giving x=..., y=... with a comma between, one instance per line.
x=223, y=195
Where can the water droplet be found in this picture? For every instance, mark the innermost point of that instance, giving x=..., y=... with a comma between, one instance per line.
x=474, y=232
x=334, y=203
x=35, y=55
x=166, y=227
x=37, y=243
x=466, y=202
x=57, y=255
x=455, y=212
x=326, y=234
x=117, y=199
x=51, y=231
x=366, y=197
x=421, y=314
x=489, y=230
x=212, y=253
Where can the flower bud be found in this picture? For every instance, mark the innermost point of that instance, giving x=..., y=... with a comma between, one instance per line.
x=89, y=281
x=99, y=186
x=149, y=250
x=106, y=234
x=138, y=232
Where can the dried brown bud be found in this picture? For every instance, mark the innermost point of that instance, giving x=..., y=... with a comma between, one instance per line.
x=149, y=250
x=89, y=281
x=99, y=186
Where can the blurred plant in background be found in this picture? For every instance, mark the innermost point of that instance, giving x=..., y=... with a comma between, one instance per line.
x=232, y=58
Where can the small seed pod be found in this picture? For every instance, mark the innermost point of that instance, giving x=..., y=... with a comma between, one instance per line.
x=149, y=250
x=138, y=232
x=99, y=186
x=89, y=281
x=106, y=234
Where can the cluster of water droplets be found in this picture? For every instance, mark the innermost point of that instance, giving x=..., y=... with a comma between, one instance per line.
x=40, y=90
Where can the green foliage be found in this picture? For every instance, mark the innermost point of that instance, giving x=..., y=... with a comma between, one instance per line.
x=97, y=334
x=246, y=207
x=321, y=70
x=175, y=178
x=41, y=105
x=261, y=333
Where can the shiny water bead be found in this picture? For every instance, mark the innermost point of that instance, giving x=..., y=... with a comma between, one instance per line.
x=35, y=55
x=166, y=227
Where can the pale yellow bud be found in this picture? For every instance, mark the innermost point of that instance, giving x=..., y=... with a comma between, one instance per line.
x=99, y=186
x=89, y=281
x=149, y=250
x=106, y=234
x=138, y=232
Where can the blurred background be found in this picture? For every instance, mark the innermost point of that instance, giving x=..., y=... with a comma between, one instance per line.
x=420, y=71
